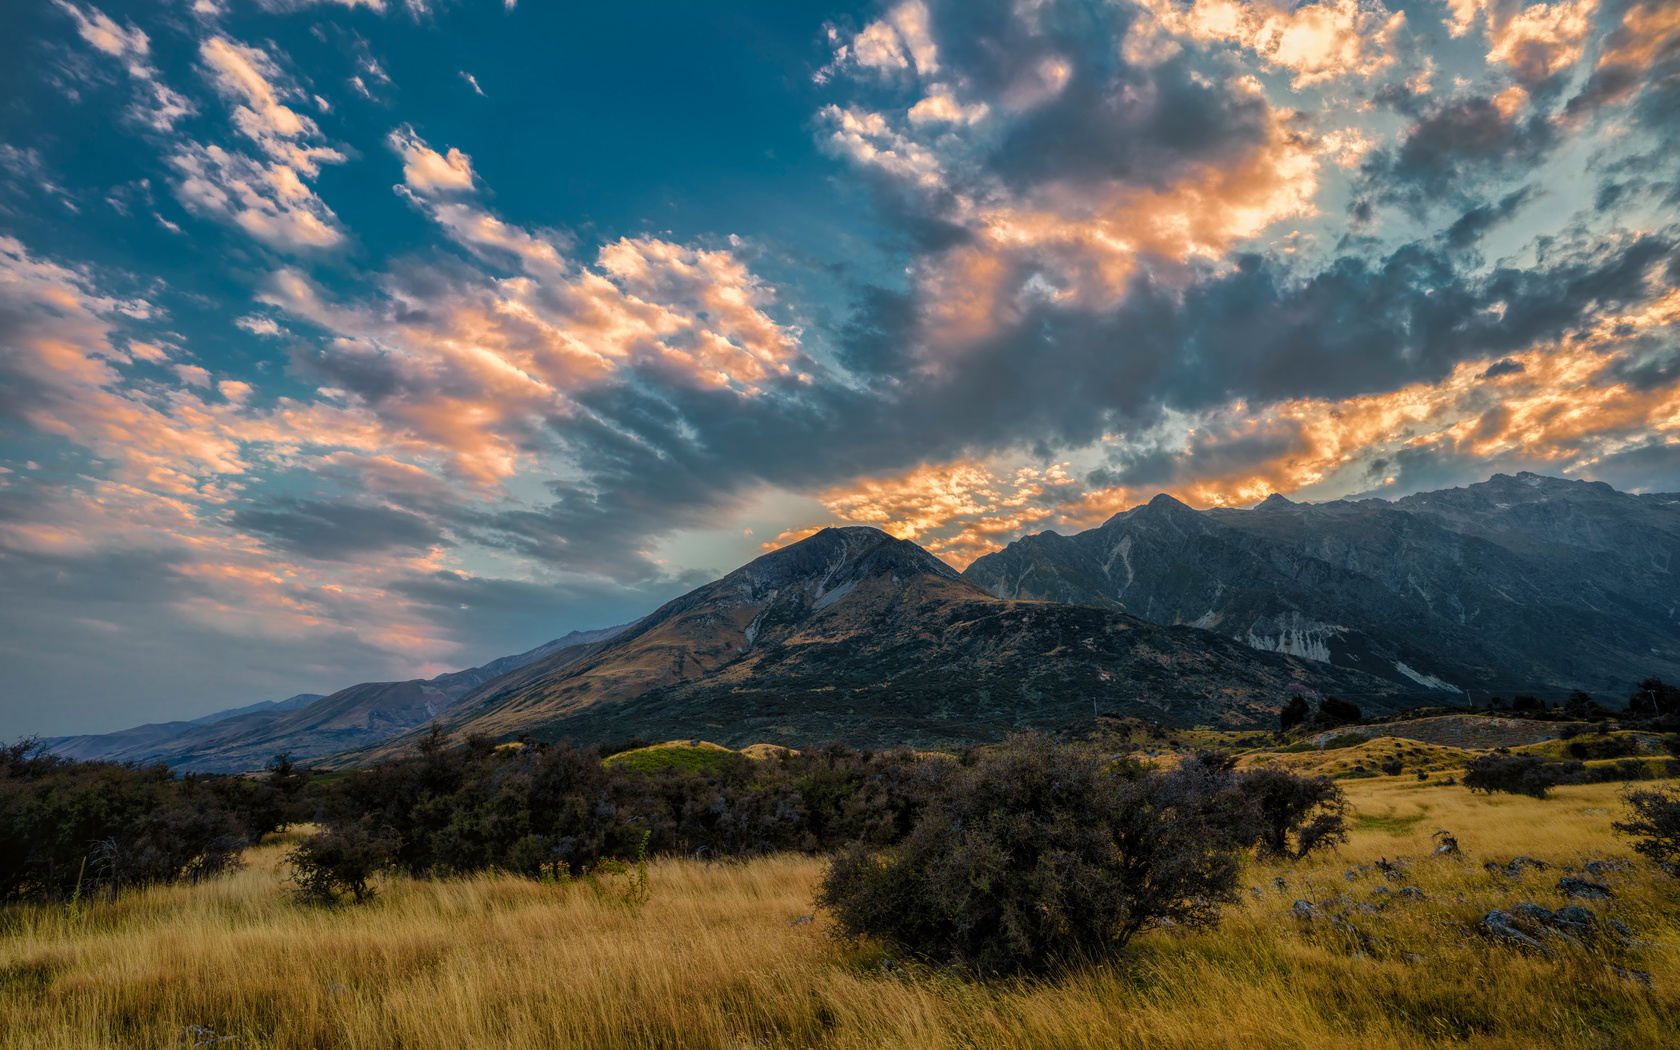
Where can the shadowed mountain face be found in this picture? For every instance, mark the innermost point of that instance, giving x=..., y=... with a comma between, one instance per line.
x=854, y=636
x=1517, y=583
x=309, y=725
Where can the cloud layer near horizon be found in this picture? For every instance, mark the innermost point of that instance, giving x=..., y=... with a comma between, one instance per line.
x=385, y=414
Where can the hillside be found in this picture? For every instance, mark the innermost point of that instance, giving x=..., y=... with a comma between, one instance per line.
x=310, y=726
x=1518, y=583
x=854, y=636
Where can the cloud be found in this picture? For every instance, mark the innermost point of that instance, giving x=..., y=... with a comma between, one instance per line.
x=1535, y=41
x=1316, y=42
x=337, y=531
x=267, y=199
x=427, y=172
x=156, y=105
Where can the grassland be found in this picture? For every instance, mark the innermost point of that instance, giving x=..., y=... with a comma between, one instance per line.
x=716, y=959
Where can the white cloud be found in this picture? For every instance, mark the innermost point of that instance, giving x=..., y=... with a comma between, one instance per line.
x=258, y=325
x=425, y=170
x=267, y=201
x=156, y=105
x=473, y=82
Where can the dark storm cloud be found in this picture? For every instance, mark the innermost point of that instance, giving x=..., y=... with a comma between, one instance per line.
x=337, y=531
x=1505, y=366
x=1469, y=227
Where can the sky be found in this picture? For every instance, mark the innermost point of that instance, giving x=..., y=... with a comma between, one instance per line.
x=349, y=340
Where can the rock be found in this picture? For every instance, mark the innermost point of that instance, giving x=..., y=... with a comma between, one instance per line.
x=802, y=920
x=1582, y=888
x=1258, y=893
x=1534, y=913
x=1575, y=919
x=1499, y=926
x=1280, y=884
x=1620, y=929
x=1449, y=844
x=1411, y=891
x=1636, y=976
x=1605, y=867
x=1589, y=810
x=1515, y=868
x=1306, y=910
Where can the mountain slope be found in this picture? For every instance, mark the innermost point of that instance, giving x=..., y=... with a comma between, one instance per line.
x=1517, y=583
x=309, y=725
x=855, y=636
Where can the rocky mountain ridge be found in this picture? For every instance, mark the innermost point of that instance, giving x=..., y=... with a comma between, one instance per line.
x=1519, y=583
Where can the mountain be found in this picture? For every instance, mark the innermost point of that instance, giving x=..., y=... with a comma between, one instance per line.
x=854, y=636
x=1523, y=583
x=310, y=725
x=291, y=703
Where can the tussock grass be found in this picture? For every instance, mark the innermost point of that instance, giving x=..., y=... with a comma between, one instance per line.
x=715, y=960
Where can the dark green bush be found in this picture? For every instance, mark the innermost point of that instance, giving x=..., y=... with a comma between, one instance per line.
x=102, y=826
x=341, y=860
x=1040, y=853
x=1519, y=774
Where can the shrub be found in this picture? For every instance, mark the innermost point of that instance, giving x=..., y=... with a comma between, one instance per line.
x=1294, y=713
x=103, y=826
x=1040, y=853
x=1338, y=711
x=1519, y=774
x=341, y=860
x=1656, y=820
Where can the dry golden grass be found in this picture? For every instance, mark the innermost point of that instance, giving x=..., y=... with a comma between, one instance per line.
x=714, y=961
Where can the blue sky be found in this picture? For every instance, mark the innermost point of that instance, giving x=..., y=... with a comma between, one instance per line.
x=347, y=342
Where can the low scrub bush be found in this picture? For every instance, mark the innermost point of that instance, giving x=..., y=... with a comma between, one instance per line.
x=1039, y=854
x=555, y=811
x=341, y=860
x=1519, y=774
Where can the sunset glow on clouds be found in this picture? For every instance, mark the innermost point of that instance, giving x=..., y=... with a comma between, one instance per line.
x=357, y=341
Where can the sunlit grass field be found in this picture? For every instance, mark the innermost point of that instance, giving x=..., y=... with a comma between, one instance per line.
x=716, y=959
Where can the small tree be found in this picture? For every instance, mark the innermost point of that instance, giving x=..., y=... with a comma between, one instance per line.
x=1294, y=713
x=1656, y=818
x=1312, y=810
x=1654, y=697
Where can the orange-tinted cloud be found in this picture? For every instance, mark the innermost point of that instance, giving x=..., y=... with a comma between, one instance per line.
x=1315, y=42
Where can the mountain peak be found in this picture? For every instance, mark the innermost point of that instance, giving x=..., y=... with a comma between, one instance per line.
x=1276, y=501
x=840, y=553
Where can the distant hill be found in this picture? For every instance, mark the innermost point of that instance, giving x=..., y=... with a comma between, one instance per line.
x=1522, y=583
x=308, y=725
x=852, y=635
